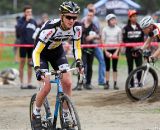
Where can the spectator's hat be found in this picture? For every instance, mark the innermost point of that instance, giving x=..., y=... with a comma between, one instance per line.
x=110, y=16
x=131, y=12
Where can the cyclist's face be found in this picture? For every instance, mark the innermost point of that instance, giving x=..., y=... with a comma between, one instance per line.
x=69, y=20
x=147, y=30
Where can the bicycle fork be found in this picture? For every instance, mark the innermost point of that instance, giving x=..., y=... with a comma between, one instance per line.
x=145, y=74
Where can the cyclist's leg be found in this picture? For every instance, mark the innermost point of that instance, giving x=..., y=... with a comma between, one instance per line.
x=61, y=63
x=36, y=116
x=44, y=89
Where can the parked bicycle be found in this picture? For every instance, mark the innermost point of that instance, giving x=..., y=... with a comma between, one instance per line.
x=48, y=121
x=142, y=82
x=78, y=78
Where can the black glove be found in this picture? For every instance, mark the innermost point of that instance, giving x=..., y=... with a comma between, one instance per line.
x=79, y=64
x=39, y=73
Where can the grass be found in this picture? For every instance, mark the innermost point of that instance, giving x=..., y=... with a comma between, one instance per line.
x=7, y=55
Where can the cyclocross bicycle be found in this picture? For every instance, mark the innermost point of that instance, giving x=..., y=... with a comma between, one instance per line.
x=143, y=81
x=48, y=121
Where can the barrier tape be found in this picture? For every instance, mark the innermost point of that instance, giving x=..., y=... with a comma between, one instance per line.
x=87, y=45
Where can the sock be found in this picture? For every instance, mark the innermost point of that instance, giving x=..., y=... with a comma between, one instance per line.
x=37, y=110
x=66, y=110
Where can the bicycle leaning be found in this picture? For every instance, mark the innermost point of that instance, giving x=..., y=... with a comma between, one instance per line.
x=48, y=121
x=79, y=79
x=142, y=82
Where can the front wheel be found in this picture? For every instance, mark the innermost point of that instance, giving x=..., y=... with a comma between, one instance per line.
x=46, y=124
x=74, y=119
x=141, y=83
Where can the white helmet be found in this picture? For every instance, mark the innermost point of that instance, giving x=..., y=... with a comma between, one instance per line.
x=110, y=16
x=146, y=22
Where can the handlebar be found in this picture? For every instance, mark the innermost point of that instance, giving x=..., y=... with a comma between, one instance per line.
x=58, y=72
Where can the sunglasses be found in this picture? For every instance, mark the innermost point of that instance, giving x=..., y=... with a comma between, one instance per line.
x=70, y=17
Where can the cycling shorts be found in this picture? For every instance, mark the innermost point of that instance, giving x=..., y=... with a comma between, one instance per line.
x=56, y=57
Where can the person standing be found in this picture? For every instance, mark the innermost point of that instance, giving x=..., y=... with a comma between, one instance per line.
x=132, y=33
x=26, y=26
x=97, y=51
x=90, y=35
x=17, y=41
x=111, y=34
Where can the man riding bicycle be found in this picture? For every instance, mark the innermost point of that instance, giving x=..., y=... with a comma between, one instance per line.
x=152, y=29
x=49, y=48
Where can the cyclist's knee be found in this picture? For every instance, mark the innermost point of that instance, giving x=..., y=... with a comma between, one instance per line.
x=67, y=83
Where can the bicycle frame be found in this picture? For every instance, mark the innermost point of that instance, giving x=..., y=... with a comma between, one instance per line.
x=46, y=103
x=58, y=96
x=59, y=91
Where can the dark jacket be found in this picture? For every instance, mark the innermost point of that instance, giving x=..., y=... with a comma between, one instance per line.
x=131, y=36
x=85, y=33
x=26, y=30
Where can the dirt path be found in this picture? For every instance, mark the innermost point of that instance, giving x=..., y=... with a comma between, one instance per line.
x=98, y=110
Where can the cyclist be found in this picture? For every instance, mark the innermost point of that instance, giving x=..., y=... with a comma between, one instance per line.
x=49, y=48
x=152, y=29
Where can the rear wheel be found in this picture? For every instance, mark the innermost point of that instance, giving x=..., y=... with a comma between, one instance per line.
x=75, y=122
x=141, y=83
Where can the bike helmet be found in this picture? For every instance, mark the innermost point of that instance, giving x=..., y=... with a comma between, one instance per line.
x=69, y=7
x=146, y=22
x=110, y=16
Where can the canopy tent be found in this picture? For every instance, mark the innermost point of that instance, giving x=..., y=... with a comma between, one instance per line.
x=120, y=7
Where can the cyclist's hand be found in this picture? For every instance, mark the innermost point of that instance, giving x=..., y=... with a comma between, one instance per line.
x=79, y=66
x=39, y=74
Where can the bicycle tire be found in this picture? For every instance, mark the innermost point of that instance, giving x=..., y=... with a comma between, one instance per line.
x=48, y=124
x=131, y=76
x=73, y=112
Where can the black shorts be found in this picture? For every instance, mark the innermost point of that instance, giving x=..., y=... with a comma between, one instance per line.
x=56, y=57
x=27, y=51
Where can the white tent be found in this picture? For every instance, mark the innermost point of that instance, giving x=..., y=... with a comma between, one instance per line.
x=116, y=6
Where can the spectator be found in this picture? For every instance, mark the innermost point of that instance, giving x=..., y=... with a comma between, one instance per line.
x=26, y=26
x=90, y=35
x=17, y=41
x=132, y=33
x=98, y=51
x=111, y=34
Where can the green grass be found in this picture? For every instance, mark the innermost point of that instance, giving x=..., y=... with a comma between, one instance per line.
x=7, y=55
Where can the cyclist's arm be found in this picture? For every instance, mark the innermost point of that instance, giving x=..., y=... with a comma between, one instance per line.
x=77, y=41
x=157, y=52
x=36, y=53
x=44, y=37
x=77, y=49
x=147, y=43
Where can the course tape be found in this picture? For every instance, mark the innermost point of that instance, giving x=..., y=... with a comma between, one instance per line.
x=87, y=45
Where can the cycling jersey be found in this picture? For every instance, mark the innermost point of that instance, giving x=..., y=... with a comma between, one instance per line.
x=52, y=36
